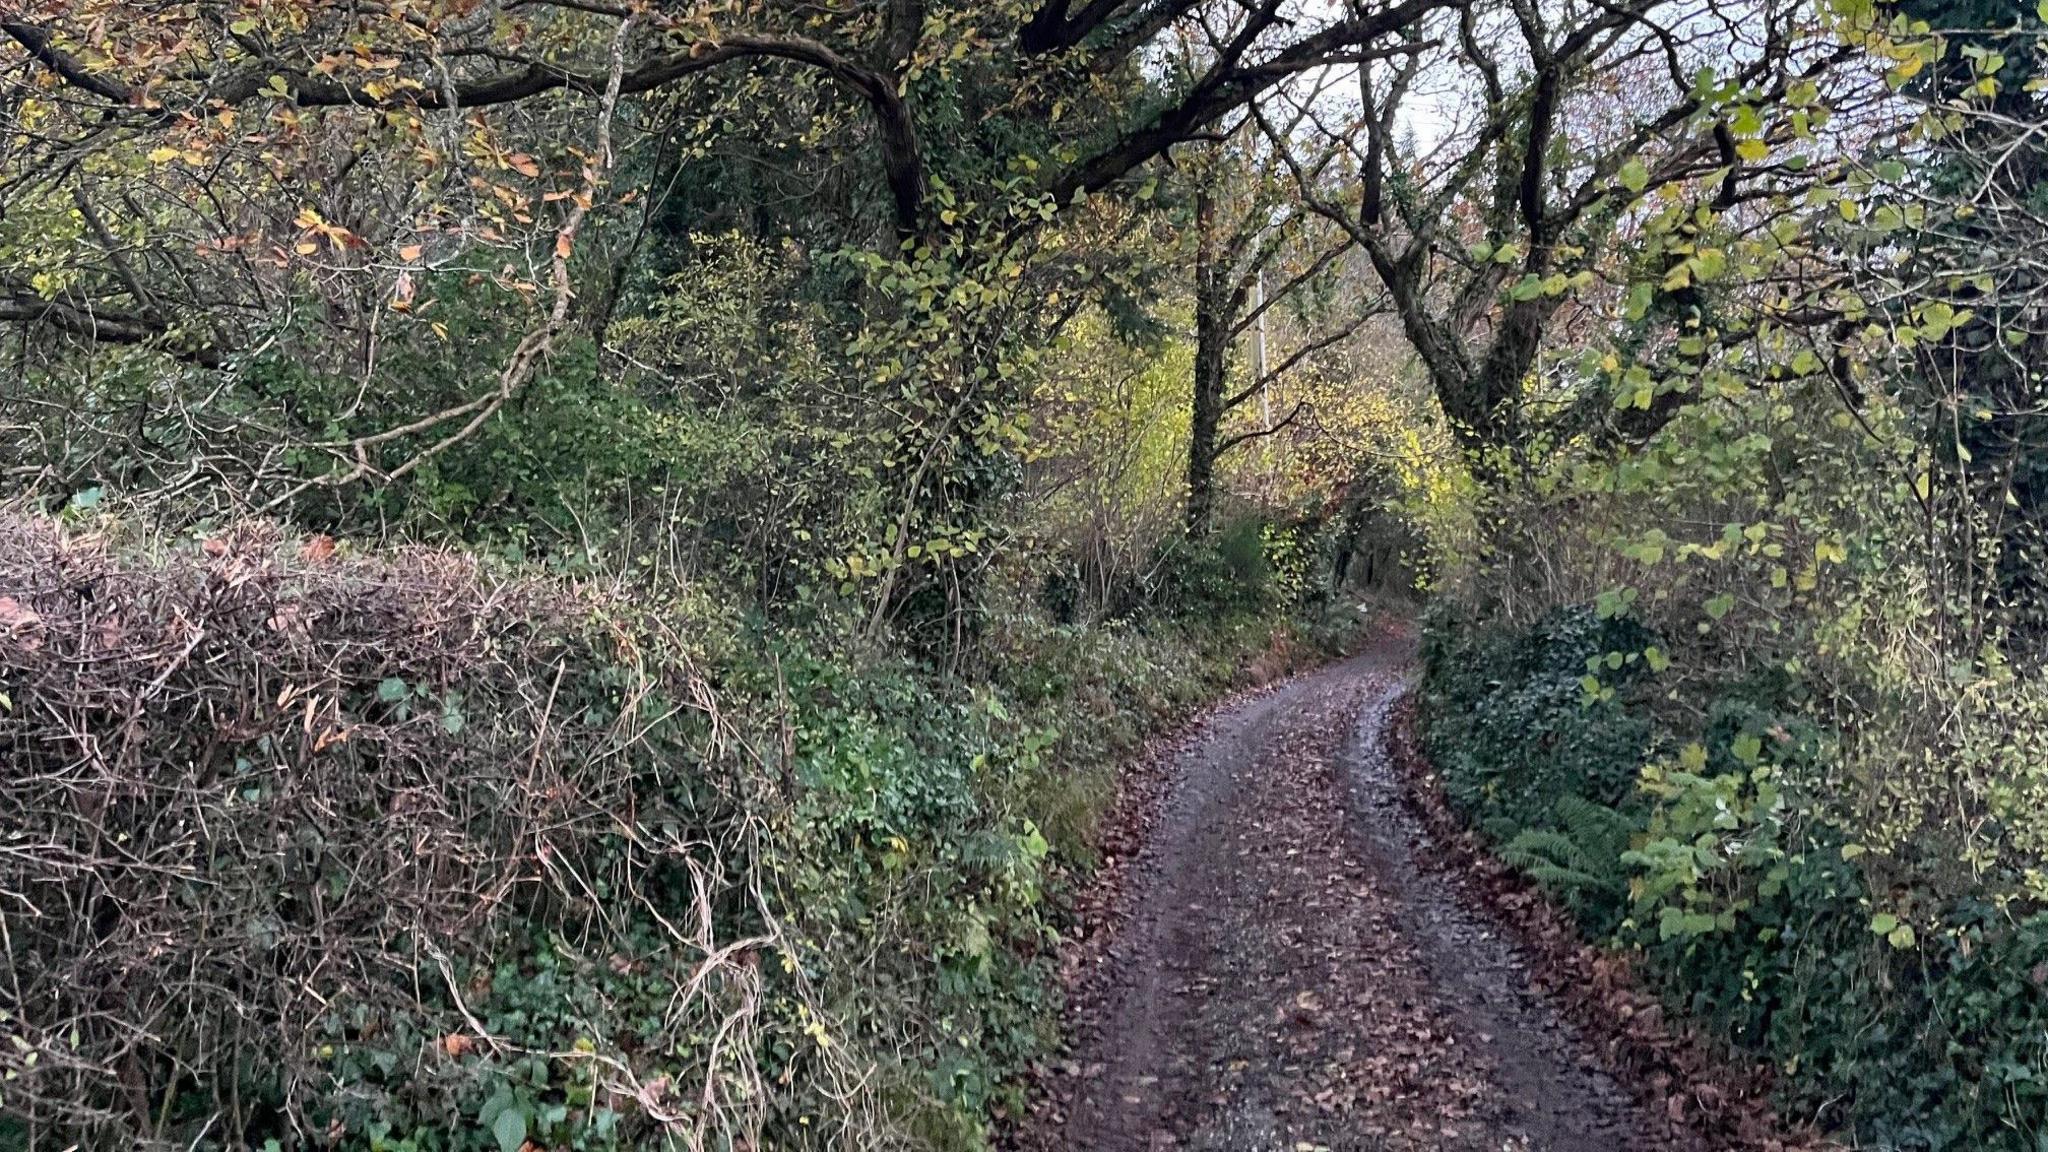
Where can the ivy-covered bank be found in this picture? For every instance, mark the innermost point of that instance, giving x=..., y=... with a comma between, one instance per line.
x=1692, y=837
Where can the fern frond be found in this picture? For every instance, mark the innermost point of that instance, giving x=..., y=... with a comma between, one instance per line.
x=1569, y=880
x=1544, y=846
x=1597, y=829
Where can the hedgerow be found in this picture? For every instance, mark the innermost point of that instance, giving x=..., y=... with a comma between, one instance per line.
x=401, y=852
x=409, y=851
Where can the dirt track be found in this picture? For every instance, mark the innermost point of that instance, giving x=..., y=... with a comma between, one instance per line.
x=1279, y=970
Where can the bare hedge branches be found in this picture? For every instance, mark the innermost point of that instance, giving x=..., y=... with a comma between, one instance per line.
x=267, y=808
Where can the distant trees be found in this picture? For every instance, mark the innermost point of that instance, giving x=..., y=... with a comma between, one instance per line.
x=1270, y=294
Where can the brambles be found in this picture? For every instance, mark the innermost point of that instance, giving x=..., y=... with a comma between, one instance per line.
x=297, y=835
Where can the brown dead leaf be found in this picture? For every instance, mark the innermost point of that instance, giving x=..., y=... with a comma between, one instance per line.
x=15, y=615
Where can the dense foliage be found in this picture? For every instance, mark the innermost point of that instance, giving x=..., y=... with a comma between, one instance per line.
x=1697, y=847
x=799, y=446
x=577, y=572
x=421, y=853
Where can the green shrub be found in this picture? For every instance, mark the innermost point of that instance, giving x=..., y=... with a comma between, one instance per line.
x=1512, y=730
x=1701, y=852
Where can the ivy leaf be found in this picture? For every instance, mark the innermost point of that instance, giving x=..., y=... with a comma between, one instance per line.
x=1635, y=177
x=391, y=690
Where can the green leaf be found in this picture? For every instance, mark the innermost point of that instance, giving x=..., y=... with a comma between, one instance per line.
x=1719, y=606
x=510, y=1130
x=1883, y=923
x=1634, y=176
x=391, y=690
x=1639, y=296
x=1748, y=747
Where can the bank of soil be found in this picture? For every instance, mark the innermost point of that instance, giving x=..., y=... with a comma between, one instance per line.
x=1271, y=963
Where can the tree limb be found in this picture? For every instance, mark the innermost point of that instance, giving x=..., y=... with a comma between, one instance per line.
x=902, y=158
x=1255, y=433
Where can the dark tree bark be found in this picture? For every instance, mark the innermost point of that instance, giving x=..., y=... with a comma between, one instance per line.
x=1212, y=363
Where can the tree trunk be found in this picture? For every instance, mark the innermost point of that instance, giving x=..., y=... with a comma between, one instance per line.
x=1212, y=346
